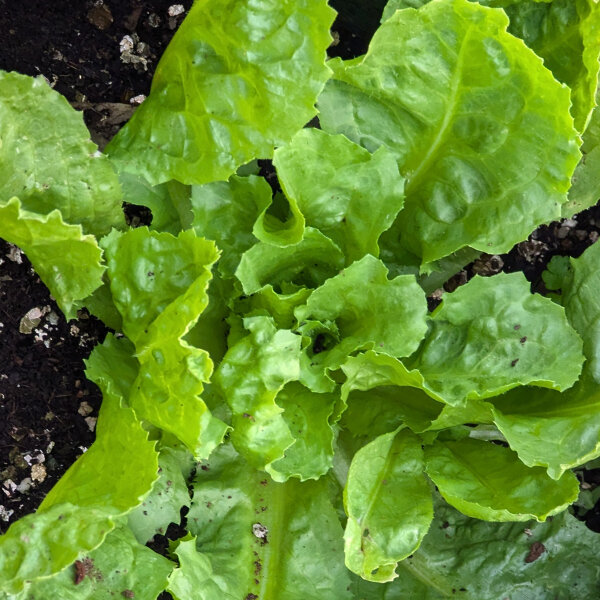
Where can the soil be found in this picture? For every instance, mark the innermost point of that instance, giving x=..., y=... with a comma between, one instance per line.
x=47, y=407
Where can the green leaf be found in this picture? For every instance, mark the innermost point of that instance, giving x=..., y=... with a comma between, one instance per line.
x=480, y=128
x=249, y=378
x=119, y=568
x=48, y=160
x=369, y=311
x=492, y=335
x=162, y=506
x=159, y=285
x=298, y=557
x=566, y=35
x=489, y=482
x=341, y=189
x=561, y=431
x=237, y=80
x=467, y=558
x=226, y=211
x=308, y=263
x=117, y=472
x=168, y=202
x=44, y=543
x=68, y=262
x=307, y=416
x=388, y=503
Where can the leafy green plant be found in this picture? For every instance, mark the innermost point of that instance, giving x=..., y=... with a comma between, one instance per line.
x=273, y=348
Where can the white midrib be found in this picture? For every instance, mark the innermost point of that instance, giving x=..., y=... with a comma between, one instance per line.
x=414, y=179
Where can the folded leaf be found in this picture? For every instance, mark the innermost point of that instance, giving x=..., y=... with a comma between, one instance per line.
x=237, y=80
x=308, y=263
x=68, y=261
x=480, y=127
x=341, y=189
x=48, y=160
x=258, y=539
x=388, y=503
x=489, y=482
x=369, y=311
x=226, y=212
x=159, y=284
x=252, y=373
x=492, y=335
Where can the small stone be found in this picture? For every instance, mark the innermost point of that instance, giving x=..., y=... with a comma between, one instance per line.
x=85, y=409
x=91, y=422
x=38, y=473
x=175, y=9
x=31, y=320
x=137, y=99
x=25, y=485
x=15, y=254
x=563, y=232
x=126, y=44
x=153, y=20
x=5, y=514
x=594, y=235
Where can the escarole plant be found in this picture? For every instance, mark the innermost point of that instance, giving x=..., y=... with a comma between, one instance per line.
x=274, y=367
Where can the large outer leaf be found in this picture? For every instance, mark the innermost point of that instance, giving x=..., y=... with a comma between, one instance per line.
x=249, y=378
x=237, y=79
x=122, y=464
x=341, y=189
x=492, y=335
x=42, y=544
x=159, y=284
x=480, y=128
x=119, y=568
x=299, y=557
x=474, y=560
x=48, y=160
x=489, y=482
x=388, y=503
x=68, y=261
x=566, y=34
x=560, y=431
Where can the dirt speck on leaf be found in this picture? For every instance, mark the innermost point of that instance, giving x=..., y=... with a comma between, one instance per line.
x=536, y=550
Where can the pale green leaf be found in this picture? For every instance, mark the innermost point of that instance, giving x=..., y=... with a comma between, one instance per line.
x=237, y=80
x=341, y=189
x=68, y=262
x=258, y=539
x=489, y=482
x=388, y=503
x=492, y=335
x=252, y=373
x=119, y=568
x=480, y=128
x=48, y=160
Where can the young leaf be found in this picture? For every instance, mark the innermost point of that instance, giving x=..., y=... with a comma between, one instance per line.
x=489, y=482
x=48, y=160
x=492, y=335
x=341, y=189
x=237, y=80
x=481, y=129
x=252, y=373
x=69, y=262
x=388, y=503
x=258, y=539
